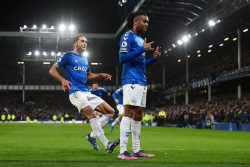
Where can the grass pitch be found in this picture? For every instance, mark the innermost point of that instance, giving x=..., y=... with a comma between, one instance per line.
x=59, y=145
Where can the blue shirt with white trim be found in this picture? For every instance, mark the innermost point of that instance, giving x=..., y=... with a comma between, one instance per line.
x=77, y=69
x=132, y=58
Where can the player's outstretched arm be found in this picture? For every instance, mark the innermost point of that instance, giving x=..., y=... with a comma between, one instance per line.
x=93, y=76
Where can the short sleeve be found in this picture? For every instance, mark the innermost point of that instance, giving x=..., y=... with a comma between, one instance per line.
x=62, y=60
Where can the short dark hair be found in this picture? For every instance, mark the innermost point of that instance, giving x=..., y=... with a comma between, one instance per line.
x=76, y=38
x=130, y=19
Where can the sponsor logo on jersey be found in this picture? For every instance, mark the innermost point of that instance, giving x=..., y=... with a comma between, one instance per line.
x=80, y=68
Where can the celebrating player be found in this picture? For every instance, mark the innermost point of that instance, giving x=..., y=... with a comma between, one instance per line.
x=78, y=72
x=132, y=57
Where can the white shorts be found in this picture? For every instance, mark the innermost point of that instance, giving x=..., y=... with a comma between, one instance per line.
x=83, y=99
x=134, y=95
x=120, y=109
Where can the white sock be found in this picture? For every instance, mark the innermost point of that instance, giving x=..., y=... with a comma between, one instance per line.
x=115, y=121
x=124, y=133
x=104, y=120
x=96, y=127
x=136, y=135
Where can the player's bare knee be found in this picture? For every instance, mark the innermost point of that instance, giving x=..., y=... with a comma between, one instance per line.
x=88, y=112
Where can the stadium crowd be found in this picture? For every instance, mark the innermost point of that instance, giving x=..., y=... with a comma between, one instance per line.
x=207, y=66
x=42, y=106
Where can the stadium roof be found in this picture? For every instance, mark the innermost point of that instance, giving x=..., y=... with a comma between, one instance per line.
x=172, y=18
x=101, y=20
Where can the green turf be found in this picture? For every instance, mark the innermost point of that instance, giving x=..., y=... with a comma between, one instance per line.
x=23, y=145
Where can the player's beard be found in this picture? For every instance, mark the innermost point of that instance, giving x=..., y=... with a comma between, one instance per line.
x=142, y=32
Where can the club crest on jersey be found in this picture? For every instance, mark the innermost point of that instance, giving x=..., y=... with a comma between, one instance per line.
x=124, y=44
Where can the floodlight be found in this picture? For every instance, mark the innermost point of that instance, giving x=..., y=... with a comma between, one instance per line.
x=44, y=53
x=211, y=23
x=179, y=42
x=185, y=38
x=37, y=53
x=44, y=26
x=72, y=27
x=62, y=27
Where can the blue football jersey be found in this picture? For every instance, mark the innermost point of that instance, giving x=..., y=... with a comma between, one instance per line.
x=118, y=94
x=132, y=58
x=77, y=69
x=99, y=92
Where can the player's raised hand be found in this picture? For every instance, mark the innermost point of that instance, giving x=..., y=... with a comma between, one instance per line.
x=157, y=52
x=147, y=46
x=106, y=76
x=66, y=85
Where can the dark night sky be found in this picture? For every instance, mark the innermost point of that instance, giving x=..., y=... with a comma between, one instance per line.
x=91, y=16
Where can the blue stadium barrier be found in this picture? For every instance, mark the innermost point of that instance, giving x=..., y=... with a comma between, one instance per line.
x=225, y=126
x=245, y=127
x=232, y=127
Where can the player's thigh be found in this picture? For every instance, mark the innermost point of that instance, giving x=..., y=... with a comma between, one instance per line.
x=105, y=108
x=88, y=112
x=80, y=101
x=138, y=114
x=129, y=110
x=98, y=104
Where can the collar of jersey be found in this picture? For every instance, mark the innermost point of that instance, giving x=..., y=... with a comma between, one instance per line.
x=76, y=54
